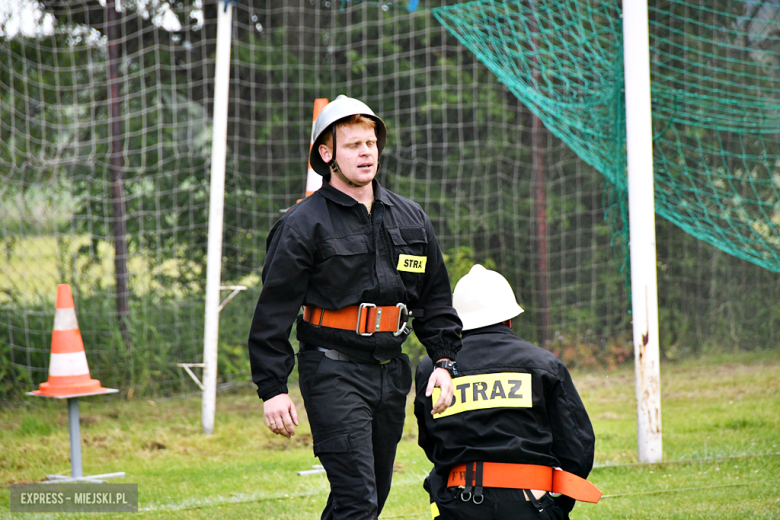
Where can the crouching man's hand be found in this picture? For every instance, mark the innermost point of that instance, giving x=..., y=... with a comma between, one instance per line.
x=441, y=379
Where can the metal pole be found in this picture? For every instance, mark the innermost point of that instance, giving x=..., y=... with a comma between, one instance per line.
x=116, y=138
x=216, y=210
x=74, y=433
x=641, y=204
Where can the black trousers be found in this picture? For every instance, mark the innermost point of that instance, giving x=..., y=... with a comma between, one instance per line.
x=356, y=412
x=496, y=504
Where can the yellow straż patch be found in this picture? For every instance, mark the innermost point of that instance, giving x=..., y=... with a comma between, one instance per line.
x=412, y=264
x=482, y=391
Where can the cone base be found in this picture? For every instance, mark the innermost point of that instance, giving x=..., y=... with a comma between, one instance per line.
x=91, y=386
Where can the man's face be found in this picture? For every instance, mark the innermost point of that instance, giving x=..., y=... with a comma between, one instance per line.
x=356, y=153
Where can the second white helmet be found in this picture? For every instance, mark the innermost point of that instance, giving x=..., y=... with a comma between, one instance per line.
x=484, y=297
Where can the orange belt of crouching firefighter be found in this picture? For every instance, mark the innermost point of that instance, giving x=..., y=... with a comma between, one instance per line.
x=529, y=476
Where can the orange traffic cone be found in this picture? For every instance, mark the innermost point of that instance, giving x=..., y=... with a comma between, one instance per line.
x=68, y=369
x=314, y=179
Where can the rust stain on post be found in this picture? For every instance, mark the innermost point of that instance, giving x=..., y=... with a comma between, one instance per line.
x=646, y=337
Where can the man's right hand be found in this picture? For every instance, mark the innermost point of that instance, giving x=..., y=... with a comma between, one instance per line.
x=280, y=415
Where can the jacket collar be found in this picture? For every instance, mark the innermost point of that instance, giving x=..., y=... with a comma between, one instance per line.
x=498, y=328
x=339, y=197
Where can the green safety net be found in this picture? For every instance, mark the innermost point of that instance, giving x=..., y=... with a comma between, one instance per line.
x=715, y=68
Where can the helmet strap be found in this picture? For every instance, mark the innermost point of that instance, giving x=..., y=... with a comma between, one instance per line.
x=335, y=166
x=333, y=129
x=341, y=176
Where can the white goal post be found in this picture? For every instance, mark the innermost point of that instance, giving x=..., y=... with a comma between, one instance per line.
x=641, y=211
x=216, y=212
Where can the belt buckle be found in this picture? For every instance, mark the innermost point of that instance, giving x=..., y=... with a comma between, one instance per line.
x=360, y=318
x=401, y=328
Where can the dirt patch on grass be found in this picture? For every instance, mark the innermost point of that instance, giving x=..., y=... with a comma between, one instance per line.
x=298, y=441
x=89, y=419
x=155, y=445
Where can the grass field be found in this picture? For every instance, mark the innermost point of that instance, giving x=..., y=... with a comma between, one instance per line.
x=721, y=427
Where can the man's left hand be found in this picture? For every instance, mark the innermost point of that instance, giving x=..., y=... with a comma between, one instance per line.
x=440, y=378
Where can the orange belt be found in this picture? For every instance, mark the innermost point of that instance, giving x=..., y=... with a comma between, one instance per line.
x=365, y=319
x=529, y=476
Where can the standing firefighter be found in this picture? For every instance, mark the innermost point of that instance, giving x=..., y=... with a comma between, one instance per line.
x=514, y=417
x=361, y=260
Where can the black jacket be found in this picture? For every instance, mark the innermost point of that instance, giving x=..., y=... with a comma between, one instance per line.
x=551, y=428
x=328, y=252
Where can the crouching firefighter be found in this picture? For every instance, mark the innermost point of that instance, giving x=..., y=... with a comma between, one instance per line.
x=516, y=429
x=360, y=260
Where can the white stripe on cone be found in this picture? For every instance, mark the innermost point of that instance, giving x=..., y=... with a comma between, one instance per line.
x=65, y=319
x=73, y=364
x=313, y=181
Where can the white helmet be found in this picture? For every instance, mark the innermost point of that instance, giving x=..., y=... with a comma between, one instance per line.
x=483, y=298
x=341, y=108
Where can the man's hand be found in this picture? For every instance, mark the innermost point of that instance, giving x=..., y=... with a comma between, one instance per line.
x=280, y=415
x=440, y=378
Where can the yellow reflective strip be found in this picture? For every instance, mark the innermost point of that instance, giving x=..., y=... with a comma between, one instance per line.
x=412, y=264
x=482, y=391
x=434, y=510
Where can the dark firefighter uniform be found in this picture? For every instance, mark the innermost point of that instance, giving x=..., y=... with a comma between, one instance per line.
x=327, y=252
x=513, y=403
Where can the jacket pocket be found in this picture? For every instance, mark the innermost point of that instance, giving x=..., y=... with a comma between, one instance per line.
x=410, y=254
x=343, y=265
x=343, y=246
x=339, y=443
